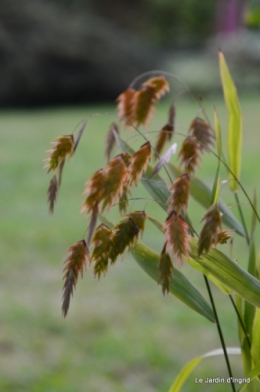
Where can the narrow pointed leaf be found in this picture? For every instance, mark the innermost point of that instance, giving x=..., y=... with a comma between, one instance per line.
x=250, y=376
x=234, y=122
x=180, y=286
x=186, y=371
x=229, y=273
x=254, y=217
x=216, y=185
x=255, y=348
x=214, y=280
x=202, y=194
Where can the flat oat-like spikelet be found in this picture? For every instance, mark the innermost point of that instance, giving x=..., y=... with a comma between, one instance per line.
x=126, y=232
x=144, y=99
x=106, y=185
x=159, y=85
x=180, y=190
x=165, y=270
x=224, y=236
x=189, y=154
x=52, y=193
x=139, y=163
x=176, y=236
x=125, y=106
x=62, y=147
x=74, y=264
x=203, y=133
x=209, y=233
x=123, y=201
x=144, y=105
x=103, y=243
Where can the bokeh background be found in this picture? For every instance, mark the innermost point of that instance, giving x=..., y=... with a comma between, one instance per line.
x=61, y=61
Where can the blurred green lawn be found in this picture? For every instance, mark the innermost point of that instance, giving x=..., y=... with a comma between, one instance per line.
x=121, y=334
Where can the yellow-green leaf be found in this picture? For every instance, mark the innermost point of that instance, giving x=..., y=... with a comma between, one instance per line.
x=255, y=348
x=216, y=186
x=253, y=374
x=229, y=273
x=180, y=286
x=187, y=369
x=234, y=123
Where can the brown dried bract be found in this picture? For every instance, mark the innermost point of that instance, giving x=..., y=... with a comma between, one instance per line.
x=74, y=264
x=203, y=133
x=176, y=236
x=139, y=163
x=189, y=154
x=106, y=185
x=209, y=232
x=165, y=270
x=180, y=190
x=62, y=148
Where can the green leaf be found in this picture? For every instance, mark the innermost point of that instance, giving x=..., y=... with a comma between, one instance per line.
x=216, y=186
x=255, y=348
x=180, y=286
x=156, y=187
x=234, y=123
x=254, y=217
x=229, y=273
x=217, y=283
x=202, y=194
x=186, y=371
x=253, y=374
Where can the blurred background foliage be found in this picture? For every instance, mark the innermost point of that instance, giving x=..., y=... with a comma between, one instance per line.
x=121, y=335
x=70, y=51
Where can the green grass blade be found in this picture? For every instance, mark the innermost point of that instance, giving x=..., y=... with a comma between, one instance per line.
x=216, y=186
x=234, y=122
x=253, y=374
x=156, y=187
x=202, y=194
x=255, y=348
x=229, y=273
x=184, y=374
x=214, y=280
x=186, y=371
x=254, y=217
x=180, y=286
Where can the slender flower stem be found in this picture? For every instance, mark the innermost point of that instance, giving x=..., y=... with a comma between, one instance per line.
x=240, y=321
x=220, y=333
x=241, y=216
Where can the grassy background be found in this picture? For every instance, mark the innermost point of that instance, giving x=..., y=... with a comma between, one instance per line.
x=121, y=334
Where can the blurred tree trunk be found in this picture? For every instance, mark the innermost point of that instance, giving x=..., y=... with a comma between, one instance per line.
x=230, y=15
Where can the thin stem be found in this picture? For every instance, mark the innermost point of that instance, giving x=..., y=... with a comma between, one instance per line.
x=242, y=217
x=239, y=183
x=240, y=321
x=220, y=333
